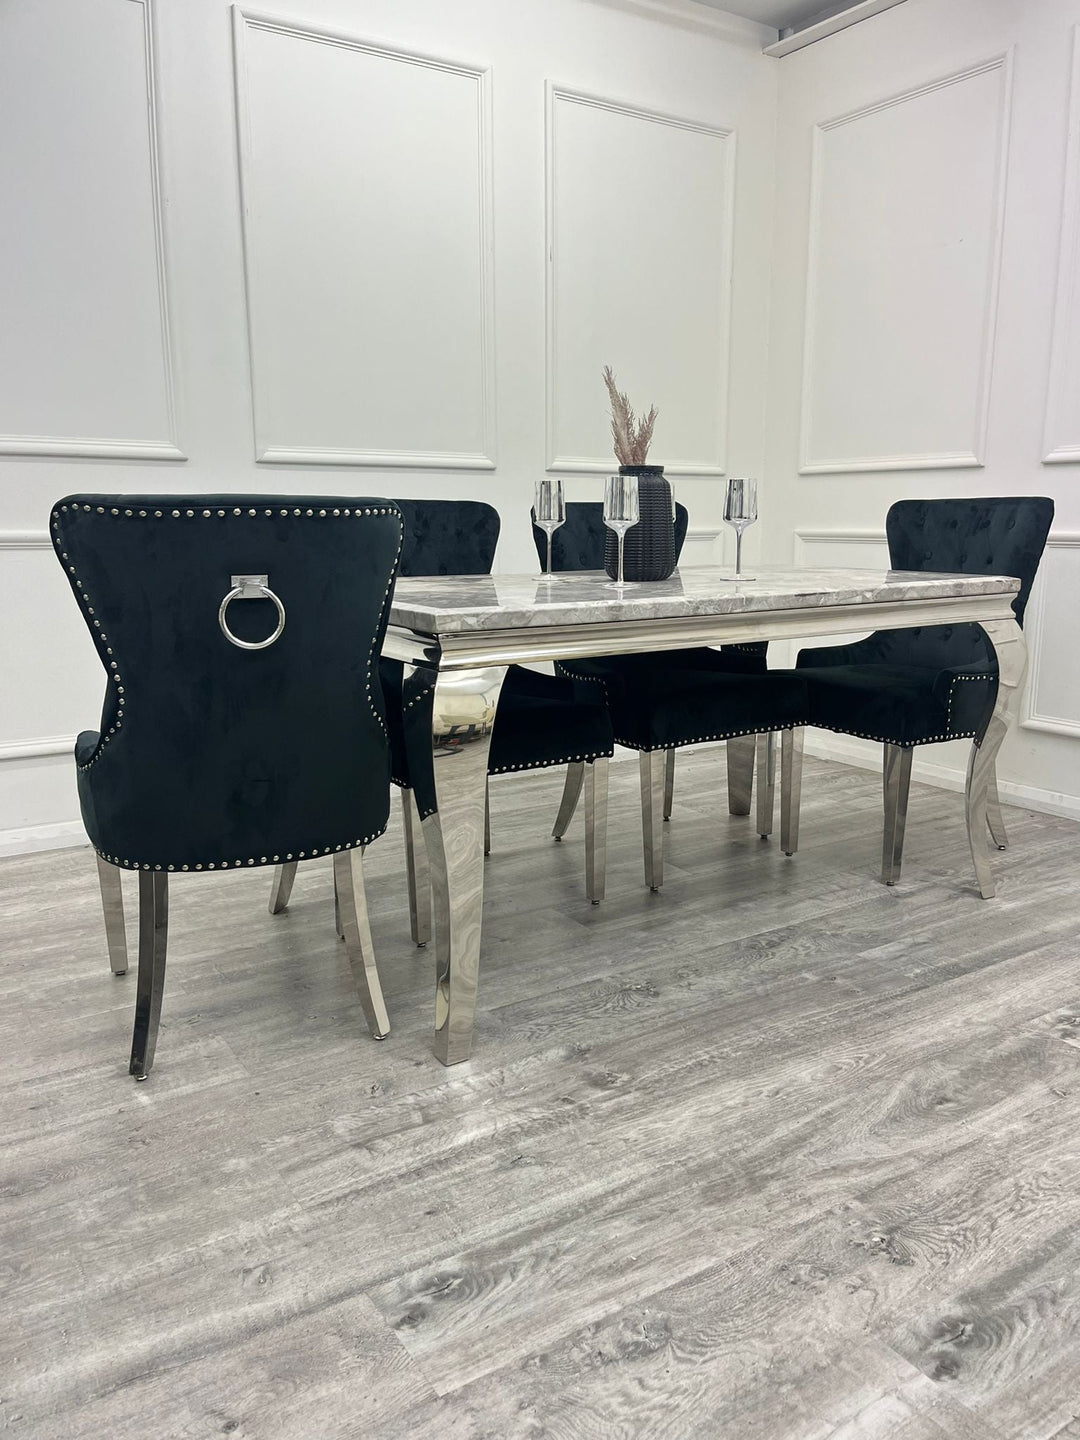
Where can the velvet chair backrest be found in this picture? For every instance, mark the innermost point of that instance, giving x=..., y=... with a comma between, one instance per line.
x=448, y=537
x=579, y=544
x=211, y=756
x=988, y=536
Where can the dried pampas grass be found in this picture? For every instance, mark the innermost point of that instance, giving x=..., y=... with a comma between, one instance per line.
x=632, y=436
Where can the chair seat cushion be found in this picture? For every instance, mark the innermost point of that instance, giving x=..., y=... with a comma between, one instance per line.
x=900, y=704
x=540, y=721
x=657, y=704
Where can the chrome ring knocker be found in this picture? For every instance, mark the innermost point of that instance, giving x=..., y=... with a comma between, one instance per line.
x=250, y=587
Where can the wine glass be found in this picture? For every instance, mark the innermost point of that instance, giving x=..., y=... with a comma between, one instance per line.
x=549, y=508
x=621, y=510
x=740, y=510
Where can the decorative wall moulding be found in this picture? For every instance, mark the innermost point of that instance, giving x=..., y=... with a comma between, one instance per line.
x=365, y=356
x=25, y=540
x=113, y=447
x=709, y=157
x=38, y=749
x=827, y=333
x=1033, y=718
x=1061, y=429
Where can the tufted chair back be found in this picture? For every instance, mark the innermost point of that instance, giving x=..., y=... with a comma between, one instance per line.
x=211, y=755
x=448, y=537
x=579, y=544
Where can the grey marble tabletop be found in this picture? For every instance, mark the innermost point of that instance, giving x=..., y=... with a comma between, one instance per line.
x=448, y=604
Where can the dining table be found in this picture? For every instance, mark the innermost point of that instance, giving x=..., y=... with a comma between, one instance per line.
x=456, y=636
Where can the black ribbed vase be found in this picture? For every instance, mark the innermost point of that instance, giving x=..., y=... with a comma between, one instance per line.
x=649, y=552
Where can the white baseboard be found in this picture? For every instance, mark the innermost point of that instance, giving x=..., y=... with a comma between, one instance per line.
x=61, y=836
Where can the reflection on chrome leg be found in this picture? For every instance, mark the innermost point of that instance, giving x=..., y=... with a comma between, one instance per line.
x=651, y=771
x=417, y=875
x=153, y=942
x=575, y=778
x=896, y=782
x=487, y=817
x=284, y=875
x=669, y=782
x=1008, y=641
x=740, y=773
x=112, y=905
x=596, y=798
x=791, y=758
x=356, y=932
x=766, y=782
x=993, y=813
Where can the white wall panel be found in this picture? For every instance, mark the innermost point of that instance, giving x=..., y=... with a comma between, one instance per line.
x=1062, y=438
x=1052, y=697
x=640, y=216
x=905, y=236
x=367, y=226
x=85, y=366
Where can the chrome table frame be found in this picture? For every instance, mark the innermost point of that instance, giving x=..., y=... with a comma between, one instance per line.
x=451, y=691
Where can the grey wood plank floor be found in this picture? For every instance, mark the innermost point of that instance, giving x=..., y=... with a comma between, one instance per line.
x=776, y=1154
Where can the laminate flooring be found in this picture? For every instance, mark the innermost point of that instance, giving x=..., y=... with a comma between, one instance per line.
x=775, y=1154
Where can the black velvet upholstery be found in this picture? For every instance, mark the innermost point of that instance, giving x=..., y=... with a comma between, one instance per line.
x=930, y=683
x=539, y=720
x=210, y=756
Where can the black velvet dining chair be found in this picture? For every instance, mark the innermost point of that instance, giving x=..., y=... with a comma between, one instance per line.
x=540, y=721
x=243, y=722
x=578, y=544
x=906, y=688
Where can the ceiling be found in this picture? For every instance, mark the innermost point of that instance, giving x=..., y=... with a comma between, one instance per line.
x=780, y=13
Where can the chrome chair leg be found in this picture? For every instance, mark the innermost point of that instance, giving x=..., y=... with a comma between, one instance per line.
x=896, y=780
x=112, y=905
x=487, y=816
x=596, y=798
x=284, y=875
x=994, y=822
x=575, y=778
x=651, y=770
x=669, y=782
x=349, y=879
x=766, y=781
x=740, y=773
x=416, y=870
x=337, y=912
x=791, y=758
x=153, y=942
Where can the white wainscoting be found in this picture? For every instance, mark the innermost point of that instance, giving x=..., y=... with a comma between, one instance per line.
x=1061, y=443
x=86, y=364
x=640, y=212
x=906, y=218
x=1052, y=694
x=370, y=303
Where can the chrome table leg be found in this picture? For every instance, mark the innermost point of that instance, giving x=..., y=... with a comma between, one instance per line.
x=417, y=874
x=669, y=782
x=740, y=773
x=455, y=711
x=993, y=813
x=112, y=905
x=766, y=781
x=896, y=782
x=1008, y=641
x=153, y=942
x=596, y=797
x=356, y=932
x=791, y=758
x=651, y=769
x=575, y=778
x=284, y=875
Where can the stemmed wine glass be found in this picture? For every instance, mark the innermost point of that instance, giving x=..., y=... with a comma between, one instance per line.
x=621, y=510
x=549, y=506
x=740, y=510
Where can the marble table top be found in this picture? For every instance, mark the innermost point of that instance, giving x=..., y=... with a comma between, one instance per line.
x=449, y=604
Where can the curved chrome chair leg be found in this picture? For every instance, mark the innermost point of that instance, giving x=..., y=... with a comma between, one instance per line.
x=766, y=781
x=487, y=817
x=791, y=758
x=349, y=881
x=651, y=770
x=669, y=782
x=896, y=782
x=575, y=779
x=112, y=905
x=741, y=750
x=416, y=870
x=153, y=942
x=1007, y=640
x=996, y=824
x=596, y=798
x=284, y=875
